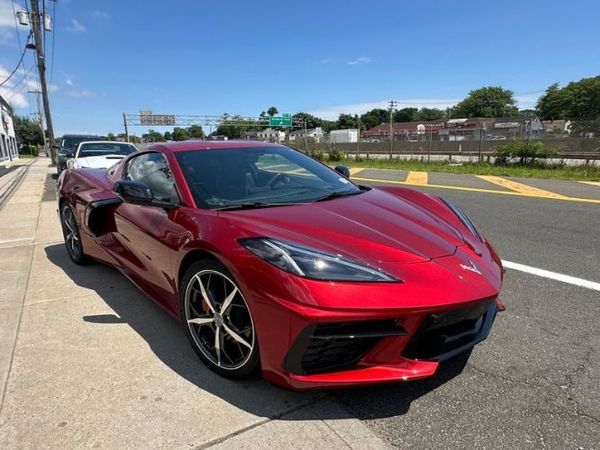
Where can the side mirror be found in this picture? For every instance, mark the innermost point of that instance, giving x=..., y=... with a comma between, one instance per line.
x=138, y=193
x=134, y=192
x=343, y=170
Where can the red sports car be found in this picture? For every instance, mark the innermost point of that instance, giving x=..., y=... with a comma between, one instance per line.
x=273, y=261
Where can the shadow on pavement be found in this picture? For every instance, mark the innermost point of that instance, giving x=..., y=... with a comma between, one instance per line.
x=166, y=338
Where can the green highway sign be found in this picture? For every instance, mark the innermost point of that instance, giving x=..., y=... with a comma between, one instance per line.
x=280, y=121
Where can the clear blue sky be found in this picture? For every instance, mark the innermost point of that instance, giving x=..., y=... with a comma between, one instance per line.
x=241, y=57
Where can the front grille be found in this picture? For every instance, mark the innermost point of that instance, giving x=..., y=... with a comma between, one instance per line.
x=336, y=346
x=443, y=335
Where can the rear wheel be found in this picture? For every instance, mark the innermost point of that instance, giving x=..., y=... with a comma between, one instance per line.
x=71, y=235
x=218, y=321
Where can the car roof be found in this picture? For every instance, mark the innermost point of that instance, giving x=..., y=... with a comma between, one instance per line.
x=105, y=142
x=208, y=145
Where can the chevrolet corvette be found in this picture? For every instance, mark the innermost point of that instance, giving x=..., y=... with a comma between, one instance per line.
x=274, y=262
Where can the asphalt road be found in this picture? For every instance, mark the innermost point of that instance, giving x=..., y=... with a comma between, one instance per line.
x=535, y=382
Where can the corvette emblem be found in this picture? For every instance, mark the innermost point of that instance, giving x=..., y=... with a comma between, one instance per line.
x=471, y=268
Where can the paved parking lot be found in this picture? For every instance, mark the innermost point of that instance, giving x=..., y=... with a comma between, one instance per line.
x=87, y=361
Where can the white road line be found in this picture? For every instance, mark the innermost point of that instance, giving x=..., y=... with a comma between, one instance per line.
x=552, y=275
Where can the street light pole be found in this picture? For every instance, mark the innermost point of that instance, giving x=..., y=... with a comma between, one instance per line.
x=41, y=63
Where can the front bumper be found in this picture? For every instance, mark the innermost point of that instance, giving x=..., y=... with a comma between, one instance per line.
x=329, y=349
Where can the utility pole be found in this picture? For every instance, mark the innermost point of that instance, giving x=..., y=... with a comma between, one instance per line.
x=392, y=105
x=40, y=116
x=126, y=128
x=41, y=63
x=305, y=136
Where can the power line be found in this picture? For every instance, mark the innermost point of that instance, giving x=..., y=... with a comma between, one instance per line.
x=23, y=78
x=19, y=63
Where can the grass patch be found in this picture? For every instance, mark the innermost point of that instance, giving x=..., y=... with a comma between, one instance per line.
x=561, y=172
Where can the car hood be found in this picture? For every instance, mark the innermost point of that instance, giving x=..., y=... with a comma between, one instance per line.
x=373, y=227
x=97, y=162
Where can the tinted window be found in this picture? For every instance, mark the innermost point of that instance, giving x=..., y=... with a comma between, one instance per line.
x=103, y=149
x=229, y=177
x=152, y=169
x=71, y=142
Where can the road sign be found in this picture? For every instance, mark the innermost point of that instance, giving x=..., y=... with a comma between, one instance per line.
x=280, y=121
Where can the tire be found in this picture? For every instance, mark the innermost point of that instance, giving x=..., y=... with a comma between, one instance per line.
x=71, y=235
x=213, y=309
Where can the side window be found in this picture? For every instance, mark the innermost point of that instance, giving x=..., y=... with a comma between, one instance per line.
x=152, y=169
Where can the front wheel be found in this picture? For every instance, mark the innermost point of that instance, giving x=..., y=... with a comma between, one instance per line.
x=218, y=321
x=71, y=235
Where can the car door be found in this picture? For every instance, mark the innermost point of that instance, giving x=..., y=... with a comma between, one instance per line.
x=149, y=234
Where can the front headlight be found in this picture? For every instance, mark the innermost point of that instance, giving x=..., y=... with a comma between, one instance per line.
x=311, y=263
x=464, y=219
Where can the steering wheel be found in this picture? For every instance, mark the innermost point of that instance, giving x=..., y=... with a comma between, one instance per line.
x=278, y=178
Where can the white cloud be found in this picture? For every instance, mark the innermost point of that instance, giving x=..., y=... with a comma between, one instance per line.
x=524, y=101
x=76, y=27
x=361, y=60
x=99, y=14
x=332, y=112
x=69, y=80
x=16, y=97
x=326, y=61
x=6, y=14
x=81, y=93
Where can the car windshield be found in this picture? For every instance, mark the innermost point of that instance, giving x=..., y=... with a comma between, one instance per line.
x=102, y=149
x=259, y=176
x=71, y=142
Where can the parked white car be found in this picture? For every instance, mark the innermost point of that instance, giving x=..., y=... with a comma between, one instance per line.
x=99, y=154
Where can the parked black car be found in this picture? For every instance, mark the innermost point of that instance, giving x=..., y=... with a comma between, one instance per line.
x=68, y=146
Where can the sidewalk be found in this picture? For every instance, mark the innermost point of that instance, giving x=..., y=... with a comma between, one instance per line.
x=86, y=360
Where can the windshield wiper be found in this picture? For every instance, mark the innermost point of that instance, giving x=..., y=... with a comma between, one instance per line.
x=337, y=194
x=253, y=205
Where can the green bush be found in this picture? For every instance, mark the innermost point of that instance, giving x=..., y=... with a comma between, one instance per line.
x=335, y=155
x=29, y=149
x=522, y=153
x=317, y=154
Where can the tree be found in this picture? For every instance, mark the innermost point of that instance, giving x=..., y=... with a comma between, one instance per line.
x=195, y=132
x=152, y=136
x=527, y=113
x=405, y=115
x=27, y=131
x=374, y=117
x=577, y=100
x=180, y=134
x=311, y=121
x=491, y=101
x=111, y=137
x=168, y=136
x=551, y=105
x=272, y=111
x=346, y=121
x=427, y=114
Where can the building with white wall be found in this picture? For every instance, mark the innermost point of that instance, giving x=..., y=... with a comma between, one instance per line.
x=343, y=136
x=8, y=140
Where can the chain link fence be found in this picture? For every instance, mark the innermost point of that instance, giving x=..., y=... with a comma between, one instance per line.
x=466, y=139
